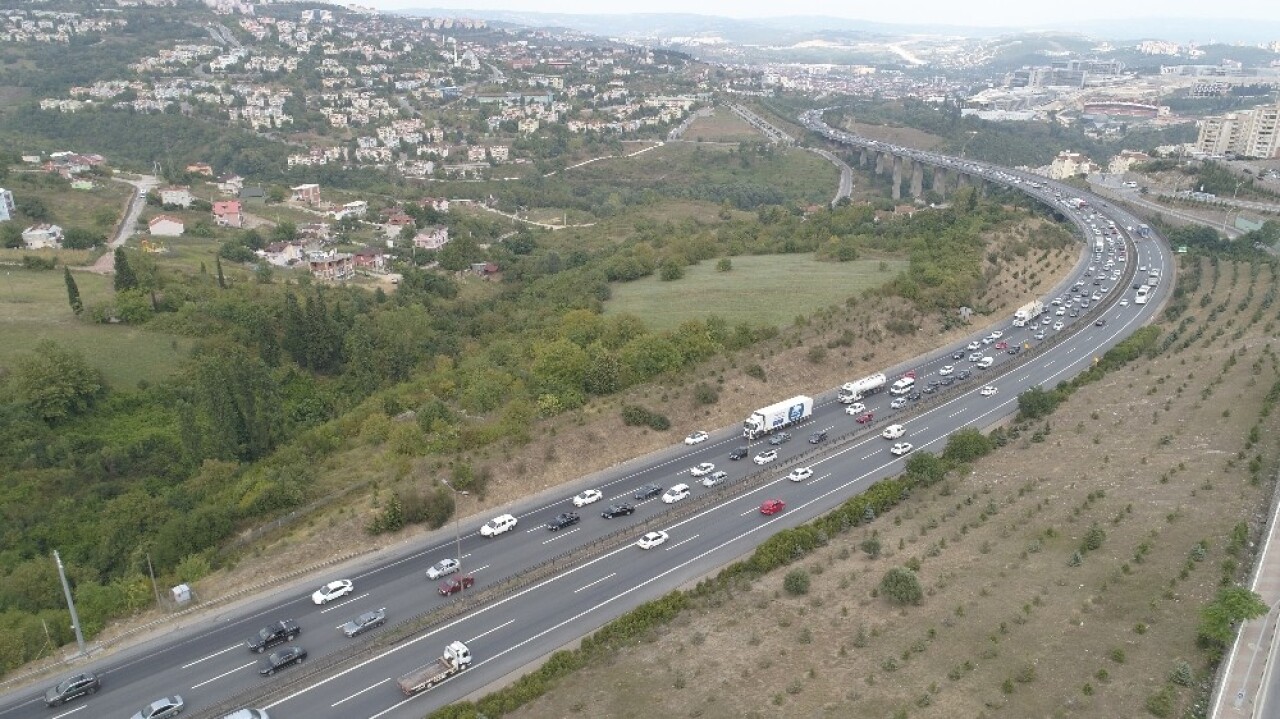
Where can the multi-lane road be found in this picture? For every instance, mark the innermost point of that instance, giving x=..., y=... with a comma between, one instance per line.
x=210, y=662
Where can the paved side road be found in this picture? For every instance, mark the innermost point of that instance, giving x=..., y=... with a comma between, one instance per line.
x=141, y=186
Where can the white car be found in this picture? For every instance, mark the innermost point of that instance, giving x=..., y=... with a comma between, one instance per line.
x=974, y=345
x=1124, y=303
x=587, y=497
x=1057, y=326
x=855, y=408
x=898, y=403
x=766, y=457
x=975, y=357
x=498, y=525
x=443, y=567
x=800, y=474
x=1096, y=296
x=332, y=591
x=675, y=494
x=901, y=448
x=1039, y=335
x=893, y=431
x=946, y=370
x=1061, y=311
x=696, y=438
x=714, y=479
x=651, y=540
x=985, y=362
x=1142, y=268
x=997, y=334
x=702, y=470
x=989, y=390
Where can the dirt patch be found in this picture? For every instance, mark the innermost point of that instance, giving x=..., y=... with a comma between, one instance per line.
x=903, y=136
x=722, y=125
x=1155, y=456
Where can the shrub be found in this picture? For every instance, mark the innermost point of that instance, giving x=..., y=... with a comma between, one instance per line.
x=901, y=586
x=871, y=546
x=796, y=583
x=704, y=393
x=1161, y=703
x=633, y=415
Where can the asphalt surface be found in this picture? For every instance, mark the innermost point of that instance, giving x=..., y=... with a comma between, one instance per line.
x=211, y=663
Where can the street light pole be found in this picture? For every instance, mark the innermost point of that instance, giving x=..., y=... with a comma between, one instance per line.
x=71, y=605
x=457, y=532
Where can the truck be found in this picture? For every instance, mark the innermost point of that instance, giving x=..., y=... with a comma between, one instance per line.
x=456, y=658
x=1153, y=280
x=1027, y=312
x=776, y=416
x=851, y=392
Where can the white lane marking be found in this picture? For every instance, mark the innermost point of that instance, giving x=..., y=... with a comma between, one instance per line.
x=749, y=511
x=362, y=691
x=953, y=414
x=588, y=586
x=869, y=456
x=1049, y=363
x=819, y=479
x=214, y=679
x=477, y=570
x=343, y=604
x=682, y=541
x=561, y=534
x=534, y=529
x=69, y=713
x=484, y=634
x=211, y=656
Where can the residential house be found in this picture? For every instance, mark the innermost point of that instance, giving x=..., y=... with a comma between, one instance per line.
x=370, y=258
x=1070, y=164
x=230, y=184
x=176, y=196
x=527, y=125
x=500, y=153
x=7, y=208
x=308, y=194
x=356, y=208
x=318, y=231
x=42, y=236
x=200, y=168
x=476, y=153
x=282, y=254
x=166, y=226
x=228, y=213
x=431, y=238
x=253, y=193
x=484, y=269
x=1123, y=162
x=439, y=204
x=395, y=224
x=331, y=265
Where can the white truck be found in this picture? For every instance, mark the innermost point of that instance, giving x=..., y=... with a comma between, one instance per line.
x=851, y=392
x=1027, y=312
x=456, y=658
x=776, y=416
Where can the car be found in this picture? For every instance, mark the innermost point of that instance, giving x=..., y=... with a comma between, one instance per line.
x=946, y=370
x=443, y=567
x=893, y=431
x=985, y=363
x=818, y=437
x=855, y=408
x=739, y=453
x=675, y=494
x=1057, y=301
x=1124, y=303
x=898, y=403
x=649, y=491
x=365, y=622
x=996, y=334
x=988, y=340
x=866, y=417
x=1074, y=313
x=1057, y=326
x=651, y=540
x=1142, y=268
x=766, y=457
x=273, y=634
x=964, y=374
x=1039, y=335
x=930, y=389
x=989, y=390
x=1061, y=311
x=247, y=714
x=974, y=345
x=714, y=479
x=332, y=591
x=901, y=448
x=957, y=355
x=975, y=357
x=162, y=708
x=1101, y=321
x=562, y=520
x=1016, y=348
x=586, y=497
x=948, y=381
x=780, y=438
x=1002, y=345
x=617, y=510
x=1096, y=296
x=800, y=474
x=450, y=587
x=498, y=525
x=772, y=506
x=1097, y=282
x=696, y=438
x=1136, y=285
x=1046, y=320
x=79, y=685
x=702, y=470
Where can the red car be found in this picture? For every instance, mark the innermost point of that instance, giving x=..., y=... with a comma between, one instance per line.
x=864, y=418
x=772, y=506
x=455, y=585
x=1002, y=345
x=911, y=374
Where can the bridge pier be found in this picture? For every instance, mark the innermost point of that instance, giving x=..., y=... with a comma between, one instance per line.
x=896, y=186
x=879, y=162
x=862, y=158
x=917, y=180
x=940, y=182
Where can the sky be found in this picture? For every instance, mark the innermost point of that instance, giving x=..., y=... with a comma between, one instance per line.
x=956, y=12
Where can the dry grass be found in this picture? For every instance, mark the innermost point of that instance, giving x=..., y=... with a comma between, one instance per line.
x=905, y=136
x=722, y=125
x=1007, y=628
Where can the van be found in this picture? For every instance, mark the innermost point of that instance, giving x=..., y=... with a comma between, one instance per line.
x=902, y=386
x=985, y=362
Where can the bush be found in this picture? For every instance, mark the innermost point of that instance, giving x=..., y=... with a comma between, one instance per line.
x=704, y=393
x=633, y=415
x=796, y=583
x=901, y=586
x=1161, y=703
x=817, y=354
x=724, y=265
x=871, y=547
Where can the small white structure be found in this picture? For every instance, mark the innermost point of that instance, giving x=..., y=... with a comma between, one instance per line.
x=176, y=196
x=40, y=237
x=166, y=226
x=180, y=594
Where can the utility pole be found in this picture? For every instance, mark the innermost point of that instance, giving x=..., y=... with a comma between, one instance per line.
x=71, y=605
x=457, y=533
x=154, y=586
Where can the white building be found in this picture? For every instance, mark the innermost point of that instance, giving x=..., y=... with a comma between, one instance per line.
x=7, y=208
x=166, y=226
x=39, y=237
x=1070, y=164
x=1248, y=133
x=176, y=196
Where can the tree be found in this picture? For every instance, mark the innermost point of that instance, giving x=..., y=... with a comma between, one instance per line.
x=1036, y=403
x=796, y=582
x=901, y=586
x=967, y=445
x=125, y=278
x=724, y=265
x=73, y=292
x=54, y=382
x=1233, y=605
x=217, y=263
x=77, y=238
x=10, y=235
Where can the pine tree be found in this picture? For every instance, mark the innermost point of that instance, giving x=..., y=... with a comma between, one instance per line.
x=217, y=262
x=73, y=292
x=125, y=279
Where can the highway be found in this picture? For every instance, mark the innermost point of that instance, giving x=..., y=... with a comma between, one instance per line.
x=210, y=663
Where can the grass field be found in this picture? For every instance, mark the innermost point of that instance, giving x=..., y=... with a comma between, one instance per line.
x=33, y=307
x=97, y=209
x=722, y=126
x=760, y=290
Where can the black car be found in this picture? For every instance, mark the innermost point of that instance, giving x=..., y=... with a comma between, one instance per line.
x=618, y=510
x=648, y=491
x=273, y=634
x=739, y=453
x=1099, y=323
x=914, y=396
x=930, y=389
x=779, y=438
x=817, y=437
x=77, y=686
x=964, y=374
x=935, y=382
x=562, y=520
x=1136, y=285
x=948, y=381
x=957, y=355
x=1015, y=349
x=282, y=658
